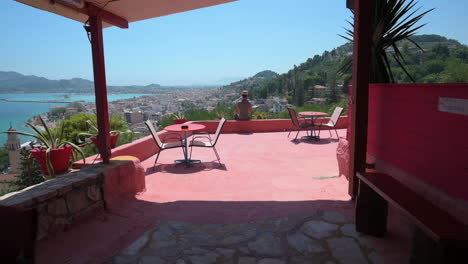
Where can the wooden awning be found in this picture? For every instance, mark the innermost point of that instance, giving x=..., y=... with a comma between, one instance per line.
x=127, y=10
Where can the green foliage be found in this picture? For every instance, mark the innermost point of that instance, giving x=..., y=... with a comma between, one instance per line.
x=77, y=124
x=429, y=38
x=253, y=83
x=222, y=110
x=456, y=71
x=4, y=160
x=434, y=66
x=58, y=111
x=461, y=53
x=178, y=116
x=30, y=174
x=260, y=115
x=30, y=171
x=93, y=129
x=440, y=51
x=78, y=106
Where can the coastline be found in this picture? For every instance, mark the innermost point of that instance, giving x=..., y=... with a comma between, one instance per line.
x=20, y=108
x=38, y=101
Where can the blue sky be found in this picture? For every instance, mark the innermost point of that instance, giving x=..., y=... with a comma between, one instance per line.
x=205, y=46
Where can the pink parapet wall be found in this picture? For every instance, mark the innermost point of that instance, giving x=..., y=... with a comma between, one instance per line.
x=407, y=130
x=144, y=148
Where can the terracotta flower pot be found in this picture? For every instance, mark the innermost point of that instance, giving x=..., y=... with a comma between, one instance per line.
x=59, y=158
x=113, y=139
x=180, y=121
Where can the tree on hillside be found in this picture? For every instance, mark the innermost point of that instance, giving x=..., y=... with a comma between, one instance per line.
x=30, y=171
x=461, y=53
x=4, y=160
x=309, y=82
x=456, y=72
x=76, y=124
x=440, y=51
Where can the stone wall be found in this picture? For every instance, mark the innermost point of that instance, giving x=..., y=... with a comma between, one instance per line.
x=62, y=201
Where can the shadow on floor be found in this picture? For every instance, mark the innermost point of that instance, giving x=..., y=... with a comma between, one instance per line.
x=98, y=239
x=183, y=169
x=322, y=141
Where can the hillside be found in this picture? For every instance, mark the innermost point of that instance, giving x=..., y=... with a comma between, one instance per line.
x=442, y=60
x=251, y=83
x=13, y=82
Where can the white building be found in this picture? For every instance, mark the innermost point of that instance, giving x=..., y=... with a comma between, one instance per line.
x=13, y=147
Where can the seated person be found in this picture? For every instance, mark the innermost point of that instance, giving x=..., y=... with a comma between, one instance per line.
x=244, y=108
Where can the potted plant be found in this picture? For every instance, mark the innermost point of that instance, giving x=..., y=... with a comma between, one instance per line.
x=93, y=131
x=51, y=149
x=179, y=118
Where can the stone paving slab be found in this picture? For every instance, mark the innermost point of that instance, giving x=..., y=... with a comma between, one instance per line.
x=322, y=238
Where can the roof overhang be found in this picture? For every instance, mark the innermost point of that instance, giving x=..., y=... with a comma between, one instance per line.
x=119, y=12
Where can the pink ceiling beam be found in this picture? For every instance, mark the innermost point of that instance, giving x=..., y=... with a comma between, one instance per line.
x=91, y=10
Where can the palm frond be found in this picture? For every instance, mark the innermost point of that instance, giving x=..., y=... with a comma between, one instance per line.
x=394, y=21
x=22, y=133
x=49, y=134
x=43, y=139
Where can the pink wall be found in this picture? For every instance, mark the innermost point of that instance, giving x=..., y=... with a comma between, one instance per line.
x=262, y=125
x=407, y=130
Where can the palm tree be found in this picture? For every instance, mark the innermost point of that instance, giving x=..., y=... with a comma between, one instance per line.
x=394, y=20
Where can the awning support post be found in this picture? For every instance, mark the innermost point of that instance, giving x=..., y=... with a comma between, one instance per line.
x=100, y=87
x=363, y=18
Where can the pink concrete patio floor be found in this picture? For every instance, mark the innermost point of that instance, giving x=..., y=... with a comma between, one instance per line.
x=261, y=176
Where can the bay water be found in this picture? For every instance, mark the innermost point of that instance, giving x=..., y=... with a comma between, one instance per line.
x=16, y=113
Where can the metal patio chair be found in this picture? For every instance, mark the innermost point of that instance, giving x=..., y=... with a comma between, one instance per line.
x=296, y=124
x=211, y=143
x=163, y=146
x=331, y=124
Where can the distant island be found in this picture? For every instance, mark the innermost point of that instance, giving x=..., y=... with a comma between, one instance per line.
x=14, y=82
x=36, y=101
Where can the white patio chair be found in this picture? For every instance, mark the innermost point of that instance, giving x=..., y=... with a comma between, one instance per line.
x=331, y=124
x=298, y=125
x=163, y=146
x=210, y=143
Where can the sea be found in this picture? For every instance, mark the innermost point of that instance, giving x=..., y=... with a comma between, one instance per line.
x=17, y=113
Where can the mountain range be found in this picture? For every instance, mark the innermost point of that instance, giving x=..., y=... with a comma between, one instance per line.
x=14, y=82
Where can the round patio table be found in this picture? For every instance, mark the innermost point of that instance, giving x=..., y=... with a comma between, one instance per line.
x=190, y=128
x=312, y=115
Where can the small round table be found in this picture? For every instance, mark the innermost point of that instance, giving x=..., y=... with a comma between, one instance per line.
x=190, y=128
x=312, y=115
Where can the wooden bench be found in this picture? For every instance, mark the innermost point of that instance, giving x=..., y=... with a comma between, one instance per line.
x=438, y=238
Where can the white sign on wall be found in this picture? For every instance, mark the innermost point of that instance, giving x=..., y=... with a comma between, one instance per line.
x=453, y=105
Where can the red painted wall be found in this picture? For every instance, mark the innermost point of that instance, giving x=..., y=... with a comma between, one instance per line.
x=262, y=125
x=407, y=130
